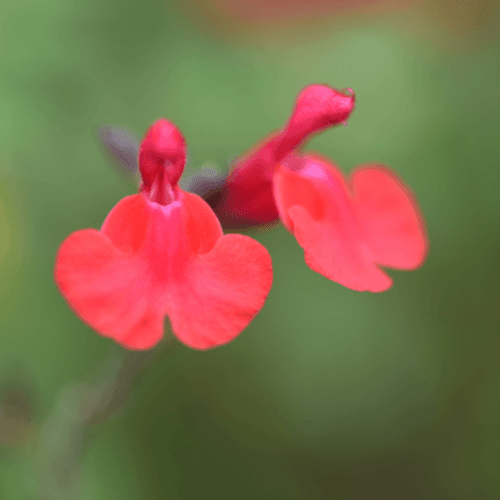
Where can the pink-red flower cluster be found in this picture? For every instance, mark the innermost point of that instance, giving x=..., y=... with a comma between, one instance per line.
x=162, y=252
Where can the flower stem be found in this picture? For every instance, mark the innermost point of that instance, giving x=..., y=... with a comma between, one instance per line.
x=80, y=407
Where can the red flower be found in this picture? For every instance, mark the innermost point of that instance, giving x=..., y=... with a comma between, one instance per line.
x=347, y=230
x=162, y=253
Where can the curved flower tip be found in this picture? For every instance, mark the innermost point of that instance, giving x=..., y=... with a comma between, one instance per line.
x=248, y=194
x=319, y=107
x=350, y=230
x=152, y=260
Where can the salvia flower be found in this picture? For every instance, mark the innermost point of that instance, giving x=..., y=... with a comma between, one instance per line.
x=162, y=253
x=348, y=229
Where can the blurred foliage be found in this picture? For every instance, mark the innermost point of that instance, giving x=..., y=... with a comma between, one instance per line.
x=329, y=393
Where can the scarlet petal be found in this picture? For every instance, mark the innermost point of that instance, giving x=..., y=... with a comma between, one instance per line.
x=202, y=227
x=224, y=289
x=126, y=224
x=346, y=237
x=149, y=261
x=105, y=288
x=225, y=283
x=390, y=218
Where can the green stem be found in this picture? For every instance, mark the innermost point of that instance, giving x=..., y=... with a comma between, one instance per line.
x=80, y=407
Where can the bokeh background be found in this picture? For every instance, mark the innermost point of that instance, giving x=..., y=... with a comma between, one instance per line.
x=329, y=393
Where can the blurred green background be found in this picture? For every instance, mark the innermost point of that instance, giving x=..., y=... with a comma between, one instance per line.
x=329, y=393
